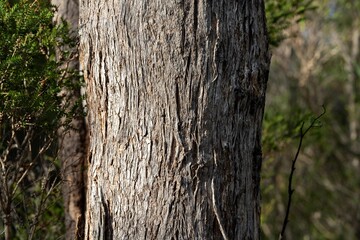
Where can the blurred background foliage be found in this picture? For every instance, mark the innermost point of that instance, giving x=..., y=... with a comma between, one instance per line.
x=315, y=62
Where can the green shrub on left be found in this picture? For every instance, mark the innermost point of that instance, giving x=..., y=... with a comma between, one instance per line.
x=31, y=80
x=34, y=53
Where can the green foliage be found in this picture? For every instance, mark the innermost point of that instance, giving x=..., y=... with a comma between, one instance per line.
x=30, y=80
x=343, y=13
x=280, y=14
x=34, y=55
x=279, y=130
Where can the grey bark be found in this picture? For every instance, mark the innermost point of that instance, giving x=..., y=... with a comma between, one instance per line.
x=175, y=93
x=73, y=142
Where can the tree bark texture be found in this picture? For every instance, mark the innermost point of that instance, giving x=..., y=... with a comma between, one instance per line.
x=176, y=93
x=73, y=142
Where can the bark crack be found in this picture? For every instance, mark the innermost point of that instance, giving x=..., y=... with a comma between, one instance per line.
x=215, y=208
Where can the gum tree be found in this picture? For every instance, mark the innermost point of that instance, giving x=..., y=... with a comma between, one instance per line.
x=176, y=93
x=73, y=141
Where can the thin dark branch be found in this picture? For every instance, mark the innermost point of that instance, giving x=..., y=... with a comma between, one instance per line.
x=290, y=189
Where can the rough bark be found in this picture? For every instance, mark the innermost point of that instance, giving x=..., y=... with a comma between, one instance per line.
x=73, y=142
x=176, y=93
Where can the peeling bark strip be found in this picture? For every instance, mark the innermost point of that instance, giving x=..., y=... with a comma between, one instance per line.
x=176, y=93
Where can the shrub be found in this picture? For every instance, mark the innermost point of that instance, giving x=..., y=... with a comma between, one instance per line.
x=34, y=53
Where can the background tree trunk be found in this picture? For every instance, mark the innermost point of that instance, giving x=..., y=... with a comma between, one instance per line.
x=176, y=93
x=72, y=143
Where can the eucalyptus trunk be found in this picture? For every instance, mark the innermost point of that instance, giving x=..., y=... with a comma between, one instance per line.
x=72, y=142
x=176, y=94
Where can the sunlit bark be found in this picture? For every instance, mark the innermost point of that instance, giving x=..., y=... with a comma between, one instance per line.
x=176, y=93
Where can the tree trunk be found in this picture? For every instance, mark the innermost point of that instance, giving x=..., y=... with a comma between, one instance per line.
x=175, y=93
x=73, y=142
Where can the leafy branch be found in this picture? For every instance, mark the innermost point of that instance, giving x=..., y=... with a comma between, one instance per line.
x=303, y=132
